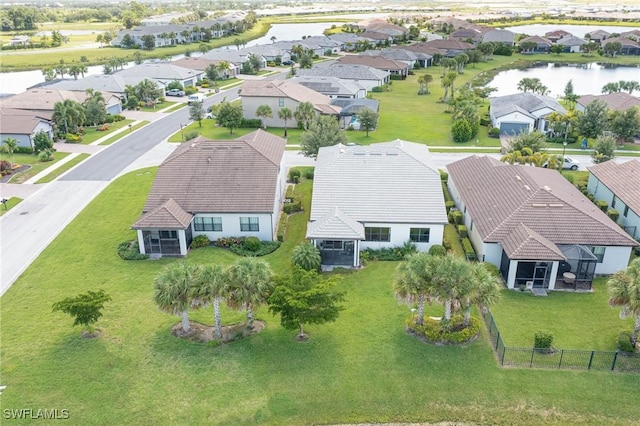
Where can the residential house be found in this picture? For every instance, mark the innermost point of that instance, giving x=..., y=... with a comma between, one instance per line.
x=271, y=52
x=164, y=73
x=163, y=19
x=597, y=36
x=42, y=100
x=535, y=226
x=397, y=54
x=352, y=107
x=381, y=63
x=542, y=45
x=556, y=35
x=629, y=47
x=450, y=47
x=422, y=48
x=201, y=64
x=376, y=38
x=235, y=57
x=23, y=126
x=19, y=40
x=226, y=188
x=423, y=57
x=571, y=44
x=522, y=112
x=163, y=35
x=366, y=76
x=376, y=196
x=332, y=87
x=321, y=45
x=618, y=101
x=279, y=94
x=633, y=35
x=469, y=35
x=396, y=32
x=619, y=185
x=104, y=83
x=348, y=41
x=505, y=37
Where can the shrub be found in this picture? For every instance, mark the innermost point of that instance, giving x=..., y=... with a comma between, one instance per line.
x=109, y=119
x=445, y=191
x=377, y=89
x=462, y=231
x=437, y=250
x=591, y=197
x=449, y=205
x=118, y=117
x=200, y=241
x=282, y=226
x=292, y=207
x=293, y=174
x=624, y=342
x=309, y=174
x=265, y=248
x=613, y=214
x=191, y=134
x=494, y=132
x=468, y=248
x=455, y=332
x=190, y=90
x=46, y=155
x=455, y=217
x=602, y=205
x=71, y=138
x=23, y=150
x=492, y=269
x=484, y=121
x=5, y=167
x=227, y=242
x=444, y=176
x=130, y=250
x=389, y=254
x=461, y=130
x=103, y=128
x=543, y=339
x=250, y=123
x=251, y=243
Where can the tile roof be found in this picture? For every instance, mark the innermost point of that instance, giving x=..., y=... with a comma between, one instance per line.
x=44, y=99
x=288, y=89
x=622, y=40
x=499, y=36
x=523, y=243
x=536, y=39
x=336, y=225
x=19, y=122
x=195, y=63
x=377, y=62
x=622, y=179
x=205, y=176
x=168, y=215
x=330, y=86
x=619, y=101
x=500, y=197
x=100, y=82
x=383, y=182
x=522, y=102
x=449, y=44
x=346, y=71
x=159, y=70
x=571, y=40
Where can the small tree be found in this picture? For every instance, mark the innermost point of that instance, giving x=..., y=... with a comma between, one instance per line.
x=306, y=61
x=625, y=124
x=461, y=131
x=285, y=114
x=10, y=145
x=304, y=114
x=368, y=120
x=42, y=141
x=196, y=112
x=624, y=291
x=250, y=285
x=604, y=149
x=85, y=308
x=264, y=111
x=323, y=132
x=594, y=120
x=534, y=141
x=229, y=116
x=304, y=297
x=306, y=256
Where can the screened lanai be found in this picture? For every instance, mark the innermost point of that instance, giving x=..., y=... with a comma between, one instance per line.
x=577, y=272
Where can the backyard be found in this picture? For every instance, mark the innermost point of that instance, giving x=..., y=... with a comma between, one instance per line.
x=363, y=368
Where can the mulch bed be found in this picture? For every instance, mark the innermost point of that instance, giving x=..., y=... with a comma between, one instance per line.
x=7, y=178
x=202, y=333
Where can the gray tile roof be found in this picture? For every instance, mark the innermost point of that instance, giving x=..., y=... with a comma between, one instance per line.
x=225, y=176
x=288, y=89
x=109, y=83
x=168, y=215
x=329, y=86
x=394, y=54
x=345, y=71
x=571, y=40
x=389, y=182
x=336, y=225
x=522, y=102
x=500, y=197
x=622, y=179
x=377, y=62
x=159, y=70
x=499, y=36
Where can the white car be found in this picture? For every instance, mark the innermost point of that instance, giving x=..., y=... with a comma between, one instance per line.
x=569, y=164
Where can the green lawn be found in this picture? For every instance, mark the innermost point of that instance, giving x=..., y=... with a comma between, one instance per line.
x=124, y=133
x=158, y=107
x=11, y=203
x=577, y=320
x=36, y=165
x=91, y=134
x=66, y=166
x=174, y=108
x=363, y=368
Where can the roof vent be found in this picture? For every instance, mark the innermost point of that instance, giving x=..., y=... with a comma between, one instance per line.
x=538, y=205
x=518, y=177
x=546, y=188
x=527, y=188
x=556, y=205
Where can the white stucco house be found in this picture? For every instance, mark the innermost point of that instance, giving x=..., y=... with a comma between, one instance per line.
x=619, y=186
x=230, y=188
x=535, y=226
x=522, y=112
x=376, y=196
x=23, y=126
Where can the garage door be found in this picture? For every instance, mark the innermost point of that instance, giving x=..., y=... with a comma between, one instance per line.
x=513, y=128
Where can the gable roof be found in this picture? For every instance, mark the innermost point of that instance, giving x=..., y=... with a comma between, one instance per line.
x=501, y=197
x=288, y=89
x=19, y=122
x=329, y=85
x=619, y=101
x=195, y=63
x=499, y=36
x=99, y=82
x=377, y=62
x=225, y=176
x=346, y=72
x=622, y=179
x=168, y=215
x=389, y=182
x=395, y=54
x=336, y=224
x=622, y=40
x=523, y=243
x=522, y=102
x=449, y=44
x=160, y=70
x=536, y=39
x=571, y=40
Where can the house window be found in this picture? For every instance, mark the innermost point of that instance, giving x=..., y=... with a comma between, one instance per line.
x=419, y=235
x=626, y=211
x=280, y=102
x=598, y=251
x=377, y=234
x=249, y=224
x=207, y=224
x=332, y=245
x=169, y=234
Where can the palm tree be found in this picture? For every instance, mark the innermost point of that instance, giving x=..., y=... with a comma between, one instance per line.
x=264, y=111
x=250, y=284
x=424, y=81
x=223, y=67
x=173, y=290
x=484, y=291
x=624, y=291
x=415, y=280
x=305, y=113
x=83, y=69
x=451, y=283
x=306, y=256
x=285, y=114
x=451, y=78
x=10, y=145
x=69, y=113
x=211, y=288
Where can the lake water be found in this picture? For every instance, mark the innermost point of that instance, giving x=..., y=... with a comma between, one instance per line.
x=284, y=32
x=587, y=79
x=577, y=30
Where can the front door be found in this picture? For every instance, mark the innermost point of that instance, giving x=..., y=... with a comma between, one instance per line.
x=539, y=276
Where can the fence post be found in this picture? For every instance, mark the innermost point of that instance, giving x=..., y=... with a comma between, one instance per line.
x=561, y=355
x=504, y=350
x=533, y=352
x=497, y=340
x=590, y=360
x=615, y=358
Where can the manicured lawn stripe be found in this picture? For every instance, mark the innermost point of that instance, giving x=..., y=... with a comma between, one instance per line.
x=92, y=135
x=36, y=165
x=66, y=166
x=123, y=133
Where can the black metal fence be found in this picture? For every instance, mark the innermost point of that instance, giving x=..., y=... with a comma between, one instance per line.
x=558, y=358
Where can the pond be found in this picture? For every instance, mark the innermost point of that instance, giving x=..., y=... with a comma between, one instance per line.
x=284, y=32
x=586, y=78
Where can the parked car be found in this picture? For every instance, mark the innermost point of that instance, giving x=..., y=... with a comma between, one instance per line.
x=569, y=164
x=196, y=97
x=209, y=113
x=175, y=92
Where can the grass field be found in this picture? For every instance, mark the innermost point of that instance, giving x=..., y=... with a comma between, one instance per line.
x=123, y=133
x=91, y=134
x=11, y=203
x=36, y=165
x=66, y=166
x=363, y=368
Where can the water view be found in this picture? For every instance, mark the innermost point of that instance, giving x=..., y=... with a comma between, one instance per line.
x=587, y=78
